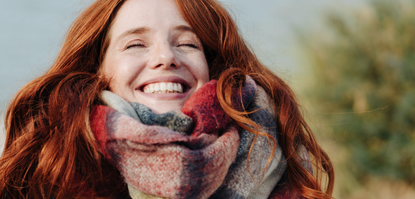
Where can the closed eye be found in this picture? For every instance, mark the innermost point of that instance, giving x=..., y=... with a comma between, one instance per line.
x=135, y=45
x=191, y=45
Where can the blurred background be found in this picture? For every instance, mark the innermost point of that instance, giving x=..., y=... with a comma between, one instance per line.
x=351, y=62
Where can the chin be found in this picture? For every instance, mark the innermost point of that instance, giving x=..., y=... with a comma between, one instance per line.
x=166, y=107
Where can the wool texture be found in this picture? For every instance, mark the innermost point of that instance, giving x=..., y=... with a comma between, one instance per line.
x=197, y=153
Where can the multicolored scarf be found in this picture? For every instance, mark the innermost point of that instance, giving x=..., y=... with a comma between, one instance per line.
x=197, y=153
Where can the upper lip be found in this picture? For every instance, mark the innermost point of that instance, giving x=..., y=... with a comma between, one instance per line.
x=174, y=79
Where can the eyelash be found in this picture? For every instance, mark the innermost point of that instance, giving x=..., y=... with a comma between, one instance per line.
x=191, y=45
x=135, y=45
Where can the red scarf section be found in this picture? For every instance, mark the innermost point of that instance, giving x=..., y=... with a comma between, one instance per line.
x=161, y=162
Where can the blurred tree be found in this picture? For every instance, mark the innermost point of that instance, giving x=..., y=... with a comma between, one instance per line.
x=363, y=72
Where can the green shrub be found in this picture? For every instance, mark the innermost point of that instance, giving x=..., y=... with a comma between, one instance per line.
x=363, y=73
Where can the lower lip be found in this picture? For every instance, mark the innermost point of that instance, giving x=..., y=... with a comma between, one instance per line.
x=165, y=96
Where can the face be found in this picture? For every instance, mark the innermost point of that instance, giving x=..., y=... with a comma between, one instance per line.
x=154, y=56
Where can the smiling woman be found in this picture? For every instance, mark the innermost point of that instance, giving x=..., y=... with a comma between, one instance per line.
x=159, y=99
x=151, y=50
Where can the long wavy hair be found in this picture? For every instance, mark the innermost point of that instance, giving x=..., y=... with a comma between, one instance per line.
x=49, y=149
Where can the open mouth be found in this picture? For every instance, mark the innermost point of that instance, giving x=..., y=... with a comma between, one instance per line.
x=164, y=87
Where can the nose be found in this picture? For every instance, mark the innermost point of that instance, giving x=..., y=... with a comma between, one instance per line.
x=164, y=57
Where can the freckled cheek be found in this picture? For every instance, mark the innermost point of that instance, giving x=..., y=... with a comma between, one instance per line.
x=203, y=70
x=128, y=70
x=114, y=77
x=122, y=89
x=198, y=66
x=121, y=80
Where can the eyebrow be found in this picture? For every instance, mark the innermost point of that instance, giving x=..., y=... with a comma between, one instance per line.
x=184, y=28
x=142, y=30
x=134, y=31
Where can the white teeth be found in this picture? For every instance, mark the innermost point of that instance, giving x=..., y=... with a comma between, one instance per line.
x=175, y=87
x=163, y=87
x=179, y=88
x=170, y=87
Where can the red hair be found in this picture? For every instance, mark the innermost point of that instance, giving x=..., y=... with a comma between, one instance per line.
x=49, y=149
x=229, y=61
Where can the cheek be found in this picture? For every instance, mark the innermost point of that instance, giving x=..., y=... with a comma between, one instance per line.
x=117, y=74
x=202, y=70
x=123, y=71
x=116, y=85
x=205, y=75
x=120, y=84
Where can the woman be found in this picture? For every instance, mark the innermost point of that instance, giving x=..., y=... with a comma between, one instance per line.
x=59, y=126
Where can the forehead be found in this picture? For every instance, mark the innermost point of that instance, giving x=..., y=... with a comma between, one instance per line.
x=153, y=14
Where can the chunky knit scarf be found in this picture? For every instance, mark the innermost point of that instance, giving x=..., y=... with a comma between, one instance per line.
x=197, y=153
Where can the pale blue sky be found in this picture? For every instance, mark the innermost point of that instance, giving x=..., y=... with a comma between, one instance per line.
x=32, y=32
